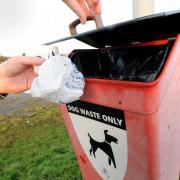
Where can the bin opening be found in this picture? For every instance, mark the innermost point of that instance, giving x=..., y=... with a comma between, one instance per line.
x=135, y=63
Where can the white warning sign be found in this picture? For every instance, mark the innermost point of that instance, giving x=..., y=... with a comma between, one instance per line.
x=102, y=133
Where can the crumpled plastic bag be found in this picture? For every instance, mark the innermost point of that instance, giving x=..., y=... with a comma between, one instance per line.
x=58, y=81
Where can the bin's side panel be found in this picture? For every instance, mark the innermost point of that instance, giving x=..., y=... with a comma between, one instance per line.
x=169, y=123
x=86, y=168
x=153, y=140
x=142, y=146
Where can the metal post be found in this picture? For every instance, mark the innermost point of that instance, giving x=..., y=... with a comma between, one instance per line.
x=142, y=8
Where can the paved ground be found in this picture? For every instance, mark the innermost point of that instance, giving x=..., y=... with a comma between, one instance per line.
x=15, y=102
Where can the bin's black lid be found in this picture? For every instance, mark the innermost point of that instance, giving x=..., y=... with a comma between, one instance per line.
x=153, y=27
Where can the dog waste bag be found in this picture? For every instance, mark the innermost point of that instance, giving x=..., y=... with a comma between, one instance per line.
x=58, y=81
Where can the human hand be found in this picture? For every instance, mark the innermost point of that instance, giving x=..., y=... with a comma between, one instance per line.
x=84, y=8
x=17, y=74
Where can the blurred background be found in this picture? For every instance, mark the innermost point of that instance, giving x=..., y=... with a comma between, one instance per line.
x=25, y=25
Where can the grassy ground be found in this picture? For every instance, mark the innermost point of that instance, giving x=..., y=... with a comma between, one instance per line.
x=34, y=144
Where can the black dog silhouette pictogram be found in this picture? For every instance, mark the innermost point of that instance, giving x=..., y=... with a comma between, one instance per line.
x=104, y=146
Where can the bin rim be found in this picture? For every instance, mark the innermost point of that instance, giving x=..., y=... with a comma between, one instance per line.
x=136, y=83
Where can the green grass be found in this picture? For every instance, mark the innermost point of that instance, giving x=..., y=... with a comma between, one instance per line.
x=34, y=145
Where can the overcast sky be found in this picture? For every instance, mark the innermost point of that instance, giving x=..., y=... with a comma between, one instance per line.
x=26, y=24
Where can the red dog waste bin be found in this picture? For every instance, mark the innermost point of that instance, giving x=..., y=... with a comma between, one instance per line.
x=127, y=124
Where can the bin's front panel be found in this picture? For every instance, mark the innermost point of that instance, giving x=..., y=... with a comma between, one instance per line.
x=102, y=134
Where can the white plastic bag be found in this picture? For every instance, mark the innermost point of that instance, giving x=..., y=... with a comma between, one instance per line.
x=58, y=81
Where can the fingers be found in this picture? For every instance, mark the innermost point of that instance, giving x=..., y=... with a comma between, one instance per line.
x=94, y=6
x=78, y=9
x=84, y=8
x=25, y=60
x=97, y=7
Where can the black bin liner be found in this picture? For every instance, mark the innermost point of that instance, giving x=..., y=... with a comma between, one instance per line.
x=135, y=63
